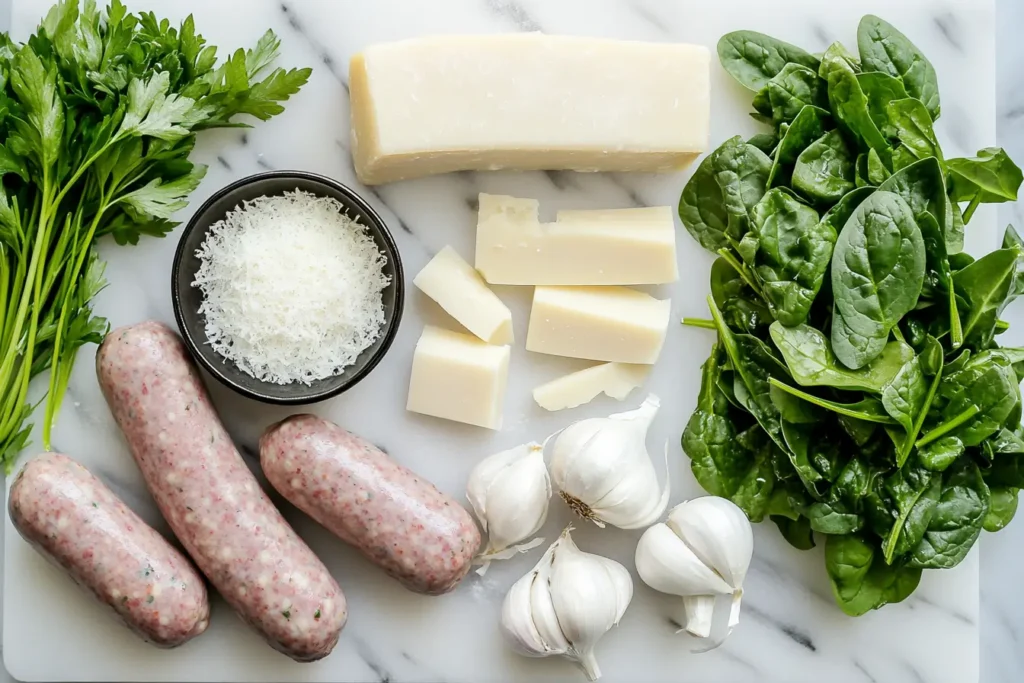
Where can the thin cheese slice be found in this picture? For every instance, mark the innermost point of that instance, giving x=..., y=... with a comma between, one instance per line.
x=569, y=391
x=458, y=377
x=607, y=247
x=460, y=291
x=526, y=101
x=615, y=324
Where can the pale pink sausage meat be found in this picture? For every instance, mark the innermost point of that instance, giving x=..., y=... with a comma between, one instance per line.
x=211, y=500
x=401, y=522
x=74, y=520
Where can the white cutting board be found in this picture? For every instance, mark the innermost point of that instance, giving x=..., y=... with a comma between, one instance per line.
x=790, y=630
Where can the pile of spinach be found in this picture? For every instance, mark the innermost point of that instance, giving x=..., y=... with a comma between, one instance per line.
x=856, y=388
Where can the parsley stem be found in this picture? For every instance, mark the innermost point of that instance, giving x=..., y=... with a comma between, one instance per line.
x=947, y=427
x=57, y=377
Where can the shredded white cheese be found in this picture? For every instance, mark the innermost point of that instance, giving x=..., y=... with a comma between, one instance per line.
x=292, y=287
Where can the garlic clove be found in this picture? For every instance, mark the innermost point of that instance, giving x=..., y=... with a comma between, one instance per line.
x=517, y=622
x=666, y=564
x=603, y=471
x=509, y=492
x=718, y=533
x=580, y=587
x=542, y=604
x=700, y=613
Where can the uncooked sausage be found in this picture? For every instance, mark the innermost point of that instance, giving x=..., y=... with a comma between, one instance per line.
x=401, y=522
x=211, y=500
x=76, y=522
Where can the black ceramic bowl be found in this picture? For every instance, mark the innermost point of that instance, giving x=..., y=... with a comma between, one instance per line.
x=187, y=298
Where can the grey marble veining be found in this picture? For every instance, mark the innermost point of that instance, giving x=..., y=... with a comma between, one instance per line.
x=789, y=615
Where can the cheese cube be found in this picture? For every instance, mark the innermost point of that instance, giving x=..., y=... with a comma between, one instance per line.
x=614, y=379
x=608, y=247
x=526, y=101
x=614, y=324
x=460, y=291
x=458, y=377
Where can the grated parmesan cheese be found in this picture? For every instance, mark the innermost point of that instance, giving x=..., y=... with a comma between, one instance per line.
x=292, y=287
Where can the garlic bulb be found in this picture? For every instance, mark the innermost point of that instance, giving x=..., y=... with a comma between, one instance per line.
x=703, y=551
x=565, y=604
x=603, y=471
x=509, y=492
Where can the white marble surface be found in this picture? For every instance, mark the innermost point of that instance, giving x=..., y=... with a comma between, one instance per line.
x=790, y=632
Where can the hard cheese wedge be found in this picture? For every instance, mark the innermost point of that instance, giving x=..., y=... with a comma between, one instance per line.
x=458, y=377
x=609, y=247
x=614, y=324
x=526, y=101
x=614, y=379
x=460, y=291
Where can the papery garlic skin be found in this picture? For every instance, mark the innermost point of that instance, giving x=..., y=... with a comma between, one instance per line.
x=509, y=493
x=566, y=604
x=604, y=472
x=702, y=551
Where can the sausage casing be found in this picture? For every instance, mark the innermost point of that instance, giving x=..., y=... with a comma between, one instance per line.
x=211, y=500
x=401, y=522
x=74, y=520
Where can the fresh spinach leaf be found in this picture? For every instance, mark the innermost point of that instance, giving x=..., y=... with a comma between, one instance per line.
x=793, y=254
x=985, y=285
x=904, y=395
x=742, y=308
x=753, y=58
x=1002, y=506
x=913, y=125
x=794, y=88
x=876, y=172
x=754, y=365
x=957, y=520
x=1011, y=240
x=766, y=142
x=1007, y=470
x=808, y=126
x=848, y=102
x=794, y=410
x=811, y=362
x=986, y=383
x=837, y=216
x=883, y=48
x=832, y=517
x=824, y=170
x=796, y=532
x=717, y=460
x=922, y=187
x=877, y=274
x=716, y=203
x=914, y=494
x=940, y=454
x=881, y=89
x=799, y=439
x=991, y=177
x=861, y=580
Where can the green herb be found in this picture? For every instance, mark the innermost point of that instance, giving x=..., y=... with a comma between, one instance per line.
x=316, y=614
x=100, y=114
x=287, y=614
x=856, y=388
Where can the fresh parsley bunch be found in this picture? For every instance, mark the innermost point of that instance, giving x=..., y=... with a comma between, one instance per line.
x=856, y=389
x=98, y=116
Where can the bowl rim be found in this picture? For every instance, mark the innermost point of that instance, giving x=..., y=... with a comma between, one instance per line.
x=395, y=318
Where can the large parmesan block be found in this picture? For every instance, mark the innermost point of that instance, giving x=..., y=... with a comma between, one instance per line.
x=606, y=247
x=462, y=293
x=615, y=380
x=458, y=377
x=615, y=324
x=526, y=101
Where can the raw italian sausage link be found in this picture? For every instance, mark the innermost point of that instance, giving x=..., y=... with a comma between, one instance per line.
x=210, y=498
x=75, y=521
x=415, y=533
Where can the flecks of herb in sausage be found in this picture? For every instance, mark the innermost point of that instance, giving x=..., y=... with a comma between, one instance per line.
x=316, y=615
x=287, y=614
